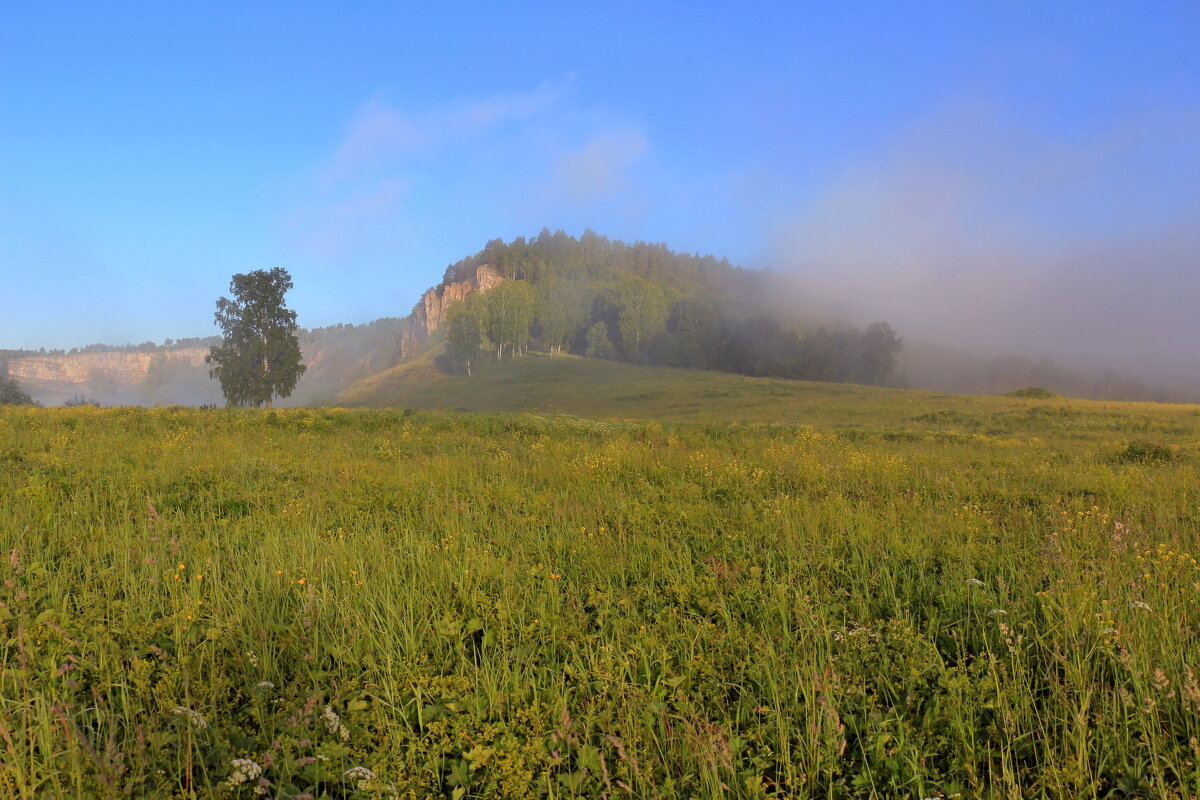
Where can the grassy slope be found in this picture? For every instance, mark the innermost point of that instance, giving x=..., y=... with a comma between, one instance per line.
x=591, y=387
x=602, y=389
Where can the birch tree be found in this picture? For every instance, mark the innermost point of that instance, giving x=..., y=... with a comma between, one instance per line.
x=259, y=357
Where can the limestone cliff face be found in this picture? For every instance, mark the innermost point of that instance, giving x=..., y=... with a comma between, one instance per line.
x=428, y=314
x=125, y=370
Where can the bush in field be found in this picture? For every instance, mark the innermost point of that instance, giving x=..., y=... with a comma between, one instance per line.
x=1145, y=453
x=80, y=400
x=1032, y=393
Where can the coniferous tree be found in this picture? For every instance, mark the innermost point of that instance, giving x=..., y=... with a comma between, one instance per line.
x=598, y=343
x=259, y=357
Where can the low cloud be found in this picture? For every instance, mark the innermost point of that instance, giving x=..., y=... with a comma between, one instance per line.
x=970, y=231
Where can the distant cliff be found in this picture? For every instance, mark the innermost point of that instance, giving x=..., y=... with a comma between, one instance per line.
x=335, y=356
x=116, y=374
x=428, y=314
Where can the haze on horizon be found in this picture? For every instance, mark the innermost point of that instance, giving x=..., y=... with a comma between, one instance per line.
x=1019, y=179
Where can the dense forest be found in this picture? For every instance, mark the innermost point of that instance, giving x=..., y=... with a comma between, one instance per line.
x=644, y=303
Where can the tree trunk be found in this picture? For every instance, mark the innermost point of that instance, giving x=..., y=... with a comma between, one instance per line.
x=266, y=371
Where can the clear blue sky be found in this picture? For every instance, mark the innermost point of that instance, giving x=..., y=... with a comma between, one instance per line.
x=150, y=150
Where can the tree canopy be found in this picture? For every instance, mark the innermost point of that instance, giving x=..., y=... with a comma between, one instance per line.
x=259, y=357
x=464, y=332
x=645, y=303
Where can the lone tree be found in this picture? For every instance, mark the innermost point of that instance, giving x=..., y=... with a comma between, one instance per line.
x=260, y=355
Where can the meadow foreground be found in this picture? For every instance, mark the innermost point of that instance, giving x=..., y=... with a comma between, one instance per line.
x=979, y=600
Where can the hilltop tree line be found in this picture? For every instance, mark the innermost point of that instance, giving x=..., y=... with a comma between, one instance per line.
x=644, y=303
x=145, y=347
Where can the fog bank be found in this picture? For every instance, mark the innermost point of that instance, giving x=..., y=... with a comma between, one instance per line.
x=971, y=233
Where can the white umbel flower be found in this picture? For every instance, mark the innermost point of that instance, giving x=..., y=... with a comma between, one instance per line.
x=974, y=582
x=334, y=723
x=362, y=776
x=244, y=769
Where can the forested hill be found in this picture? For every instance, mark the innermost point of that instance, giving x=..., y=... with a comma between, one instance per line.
x=644, y=303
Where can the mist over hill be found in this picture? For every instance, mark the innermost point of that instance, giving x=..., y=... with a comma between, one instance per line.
x=592, y=296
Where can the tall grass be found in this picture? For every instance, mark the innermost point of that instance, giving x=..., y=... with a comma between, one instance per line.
x=324, y=603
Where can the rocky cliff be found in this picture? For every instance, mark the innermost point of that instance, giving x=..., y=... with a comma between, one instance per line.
x=429, y=313
x=77, y=372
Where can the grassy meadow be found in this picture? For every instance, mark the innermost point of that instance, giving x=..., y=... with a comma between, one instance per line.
x=869, y=594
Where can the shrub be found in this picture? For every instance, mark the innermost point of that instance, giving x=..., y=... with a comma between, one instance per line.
x=80, y=400
x=1032, y=392
x=1145, y=453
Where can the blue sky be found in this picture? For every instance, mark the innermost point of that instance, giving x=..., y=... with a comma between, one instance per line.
x=1001, y=151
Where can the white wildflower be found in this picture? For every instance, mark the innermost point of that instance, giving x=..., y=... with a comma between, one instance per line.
x=191, y=716
x=1108, y=631
x=244, y=769
x=1139, y=604
x=362, y=775
x=974, y=582
x=995, y=612
x=334, y=723
x=264, y=685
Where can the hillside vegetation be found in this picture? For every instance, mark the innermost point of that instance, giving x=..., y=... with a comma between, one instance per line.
x=906, y=596
x=604, y=389
x=645, y=303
